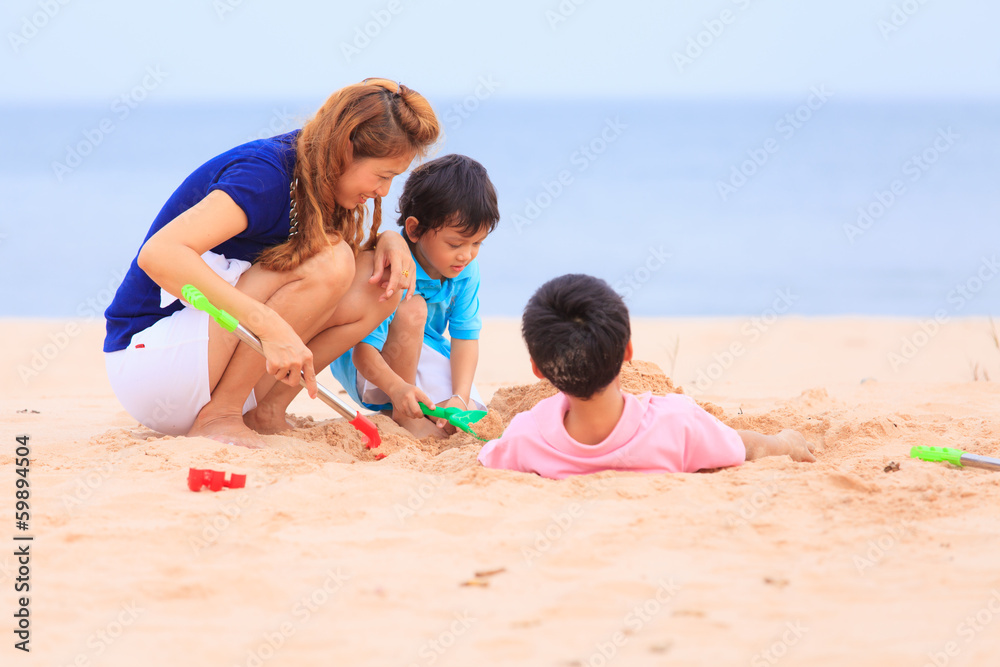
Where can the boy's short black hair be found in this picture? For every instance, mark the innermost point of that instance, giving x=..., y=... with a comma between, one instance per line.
x=576, y=328
x=450, y=190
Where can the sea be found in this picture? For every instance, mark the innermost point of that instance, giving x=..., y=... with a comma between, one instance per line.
x=816, y=205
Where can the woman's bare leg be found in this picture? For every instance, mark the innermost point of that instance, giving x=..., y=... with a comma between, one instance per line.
x=356, y=316
x=305, y=298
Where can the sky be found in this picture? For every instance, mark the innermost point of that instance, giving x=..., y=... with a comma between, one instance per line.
x=67, y=51
x=140, y=93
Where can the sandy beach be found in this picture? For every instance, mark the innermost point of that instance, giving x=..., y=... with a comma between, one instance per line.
x=330, y=556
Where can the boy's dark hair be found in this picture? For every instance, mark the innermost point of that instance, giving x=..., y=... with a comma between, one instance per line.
x=576, y=328
x=451, y=190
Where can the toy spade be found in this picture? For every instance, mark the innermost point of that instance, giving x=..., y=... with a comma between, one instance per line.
x=460, y=419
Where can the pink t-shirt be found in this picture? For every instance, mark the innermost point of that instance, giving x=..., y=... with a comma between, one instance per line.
x=655, y=434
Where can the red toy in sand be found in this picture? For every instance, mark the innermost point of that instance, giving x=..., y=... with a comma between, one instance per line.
x=214, y=480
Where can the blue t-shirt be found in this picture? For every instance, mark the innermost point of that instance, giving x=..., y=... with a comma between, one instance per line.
x=452, y=306
x=257, y=176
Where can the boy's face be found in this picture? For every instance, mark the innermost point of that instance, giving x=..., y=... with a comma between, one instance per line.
x=445, y=252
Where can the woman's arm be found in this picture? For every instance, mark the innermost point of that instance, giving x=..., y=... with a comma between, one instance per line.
x=172, y=258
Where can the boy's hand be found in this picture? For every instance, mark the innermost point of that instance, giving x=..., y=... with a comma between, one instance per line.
x=787, y=442
x=453, y=402
x=405, y=399
x=795, y=445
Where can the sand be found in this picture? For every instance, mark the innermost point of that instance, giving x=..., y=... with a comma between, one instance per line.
x=330, y=556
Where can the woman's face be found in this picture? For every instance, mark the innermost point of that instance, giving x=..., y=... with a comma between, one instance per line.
x=367, y=177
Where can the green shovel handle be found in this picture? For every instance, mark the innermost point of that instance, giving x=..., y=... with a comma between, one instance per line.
x=938, y=454
x=194, y=296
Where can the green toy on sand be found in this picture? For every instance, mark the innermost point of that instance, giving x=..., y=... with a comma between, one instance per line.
x=460, y=419
x=955, y=457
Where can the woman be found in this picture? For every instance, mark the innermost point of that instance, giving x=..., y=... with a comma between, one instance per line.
x=272, y=232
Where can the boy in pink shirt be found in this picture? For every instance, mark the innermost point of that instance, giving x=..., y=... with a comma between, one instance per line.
x=578, y=335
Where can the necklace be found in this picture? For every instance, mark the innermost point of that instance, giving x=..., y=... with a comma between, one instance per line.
x=293, y=212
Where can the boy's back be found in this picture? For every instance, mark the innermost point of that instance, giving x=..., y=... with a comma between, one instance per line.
x=655, y=434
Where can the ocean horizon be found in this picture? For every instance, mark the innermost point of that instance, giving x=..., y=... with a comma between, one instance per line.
x=687, y=207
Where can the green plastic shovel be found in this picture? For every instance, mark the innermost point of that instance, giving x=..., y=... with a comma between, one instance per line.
x=460, y=419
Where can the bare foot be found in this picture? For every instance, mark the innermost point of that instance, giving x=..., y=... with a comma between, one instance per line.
x=227, y=428
x=266, y=421
x=420, y=427
x=799, y=448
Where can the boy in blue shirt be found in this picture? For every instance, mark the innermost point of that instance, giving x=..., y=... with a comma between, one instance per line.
x=448, y=207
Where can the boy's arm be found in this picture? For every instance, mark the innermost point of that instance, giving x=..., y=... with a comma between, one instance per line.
x=464, y=359
x=787, y=442
x=404, y=396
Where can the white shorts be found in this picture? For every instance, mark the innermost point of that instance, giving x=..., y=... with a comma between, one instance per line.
x=161, y=378
x=433, y=377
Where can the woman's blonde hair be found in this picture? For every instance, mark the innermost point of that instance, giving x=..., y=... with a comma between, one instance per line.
x=376, y=118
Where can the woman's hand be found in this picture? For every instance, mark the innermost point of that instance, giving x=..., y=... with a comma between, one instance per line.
x=286, y=356
x=392, y=253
